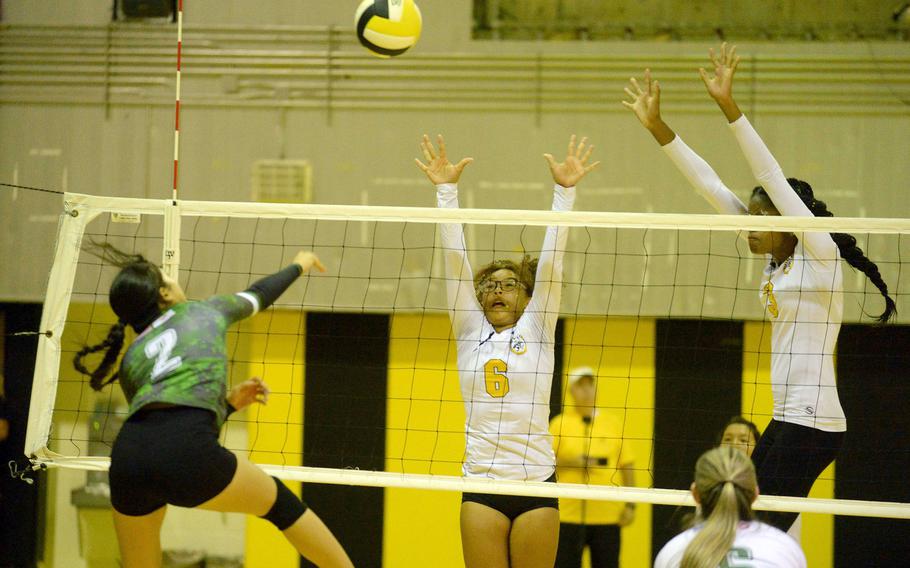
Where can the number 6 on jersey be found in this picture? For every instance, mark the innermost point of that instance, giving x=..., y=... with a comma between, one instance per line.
x=494, y=374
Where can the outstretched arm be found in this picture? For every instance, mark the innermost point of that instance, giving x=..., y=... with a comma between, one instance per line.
x=645, y=103
x=265, y=291
x=459, y=277
x=548, y=281
x=764, y=167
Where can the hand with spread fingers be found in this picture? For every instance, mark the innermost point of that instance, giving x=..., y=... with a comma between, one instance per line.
x=438, y=167
x=720, y=85
x=645, y=102
x=569, y=172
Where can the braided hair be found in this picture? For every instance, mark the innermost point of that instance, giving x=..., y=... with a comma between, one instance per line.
x=846, y=243
x=112, y=345
x=133, y=296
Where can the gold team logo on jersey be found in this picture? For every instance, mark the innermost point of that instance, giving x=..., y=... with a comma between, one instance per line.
x=769, y=300
x=788, y=265
x=518, y=345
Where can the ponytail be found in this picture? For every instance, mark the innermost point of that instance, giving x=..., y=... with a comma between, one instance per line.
x=112, y=345
x=845, y=242
x=725, y=481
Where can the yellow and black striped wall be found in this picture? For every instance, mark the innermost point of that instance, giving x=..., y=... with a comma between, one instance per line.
x=380, y=391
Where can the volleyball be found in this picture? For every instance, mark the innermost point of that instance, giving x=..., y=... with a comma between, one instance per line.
x=388, y=27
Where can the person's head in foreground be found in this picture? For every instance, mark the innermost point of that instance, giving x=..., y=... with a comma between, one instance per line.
x=724, y=488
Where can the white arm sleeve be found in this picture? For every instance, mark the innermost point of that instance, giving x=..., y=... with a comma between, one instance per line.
x=703, y=178
x=251, y=298
x=547, y=296
x=768, y=173
x=463, y=305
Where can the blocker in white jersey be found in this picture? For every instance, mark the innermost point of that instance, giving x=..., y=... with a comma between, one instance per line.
x=802, y=295
x=506, y=375
x=756, y=545
x=802, y=290
x=504, y=318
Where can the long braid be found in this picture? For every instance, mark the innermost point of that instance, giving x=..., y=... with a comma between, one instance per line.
x=112, y=345
x=846, y=243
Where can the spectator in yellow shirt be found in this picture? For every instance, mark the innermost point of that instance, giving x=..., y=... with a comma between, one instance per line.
x=590, y=449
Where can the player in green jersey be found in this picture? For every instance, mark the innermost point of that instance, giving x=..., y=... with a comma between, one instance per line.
x=174, y=375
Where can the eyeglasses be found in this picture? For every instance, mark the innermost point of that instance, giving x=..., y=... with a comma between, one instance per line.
x=507, y=285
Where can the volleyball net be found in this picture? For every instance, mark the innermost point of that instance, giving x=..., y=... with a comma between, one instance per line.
x=647, y=300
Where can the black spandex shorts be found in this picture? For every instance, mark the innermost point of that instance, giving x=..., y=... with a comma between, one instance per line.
x=788, y=459
x=168, y=456
x=512, y=506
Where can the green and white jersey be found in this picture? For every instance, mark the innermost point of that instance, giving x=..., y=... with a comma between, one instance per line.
x=756, y=545
x=181, y=357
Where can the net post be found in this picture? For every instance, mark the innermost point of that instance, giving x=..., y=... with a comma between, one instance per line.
x=53, y=320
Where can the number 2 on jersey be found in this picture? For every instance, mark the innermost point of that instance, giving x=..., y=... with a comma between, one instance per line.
x=494, y=374
x=160, y=348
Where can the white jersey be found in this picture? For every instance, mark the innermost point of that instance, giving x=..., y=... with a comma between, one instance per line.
x=756, y=545
x=796, y=529
x=506, y=377
x=803, y=297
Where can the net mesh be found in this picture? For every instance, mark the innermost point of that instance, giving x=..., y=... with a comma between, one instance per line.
x=625, y=277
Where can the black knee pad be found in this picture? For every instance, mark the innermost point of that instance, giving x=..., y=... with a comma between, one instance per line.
x=287, y=508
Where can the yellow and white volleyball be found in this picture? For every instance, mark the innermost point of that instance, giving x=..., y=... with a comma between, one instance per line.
x=388, y=27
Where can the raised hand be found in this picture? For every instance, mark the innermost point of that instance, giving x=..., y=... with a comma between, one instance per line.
x=569, y=172
x=307, y=260
x=720, y=85
x=645, y=103
x=438, y=167
x=248, y=392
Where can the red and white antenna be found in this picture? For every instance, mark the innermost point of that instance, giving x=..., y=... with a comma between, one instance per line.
x=177, y=100
x=171, y=248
